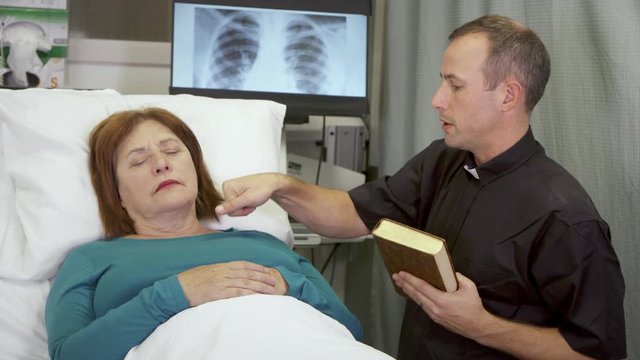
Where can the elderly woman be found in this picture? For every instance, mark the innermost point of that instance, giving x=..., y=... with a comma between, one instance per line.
x=157, y=259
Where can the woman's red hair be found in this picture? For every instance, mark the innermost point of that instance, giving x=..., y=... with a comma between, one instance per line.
x=103, y=144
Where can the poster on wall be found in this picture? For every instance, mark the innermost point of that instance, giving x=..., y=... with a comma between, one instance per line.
x=33, y=43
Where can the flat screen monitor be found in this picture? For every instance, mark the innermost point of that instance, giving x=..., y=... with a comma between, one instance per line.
x=310, y=55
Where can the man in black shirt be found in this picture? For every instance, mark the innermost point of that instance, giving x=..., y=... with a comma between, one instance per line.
x=538, y=277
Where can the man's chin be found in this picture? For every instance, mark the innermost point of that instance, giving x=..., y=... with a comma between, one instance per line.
x=449, y=141
x=454, y=143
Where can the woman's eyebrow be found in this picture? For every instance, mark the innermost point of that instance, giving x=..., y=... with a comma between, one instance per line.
x=142, y=149
x=169, y=141
x=136, y=151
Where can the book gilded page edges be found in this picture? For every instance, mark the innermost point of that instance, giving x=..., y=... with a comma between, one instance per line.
x=419, y=253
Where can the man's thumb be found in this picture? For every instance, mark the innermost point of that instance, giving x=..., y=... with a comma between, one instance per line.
x=221, y=209
x=229, y=208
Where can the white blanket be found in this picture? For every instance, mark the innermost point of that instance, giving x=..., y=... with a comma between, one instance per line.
x=252, y=327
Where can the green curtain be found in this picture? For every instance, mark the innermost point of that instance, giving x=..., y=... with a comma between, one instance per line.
x=588, y=121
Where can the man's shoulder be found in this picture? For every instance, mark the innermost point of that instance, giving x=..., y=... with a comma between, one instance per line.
x=561, y=192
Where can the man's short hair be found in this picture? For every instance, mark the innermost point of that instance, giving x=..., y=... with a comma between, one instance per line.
x=515, y=50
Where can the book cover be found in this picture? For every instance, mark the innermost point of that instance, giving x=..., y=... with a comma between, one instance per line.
x=419, y=253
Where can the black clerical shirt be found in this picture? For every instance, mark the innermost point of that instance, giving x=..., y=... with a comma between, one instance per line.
x=525, y=232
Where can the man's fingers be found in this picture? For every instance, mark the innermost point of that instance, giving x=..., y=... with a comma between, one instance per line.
x=232, y=208
x=463, y=280
x=420, y=291
x=415, y=283
x=242, y=212
x=221, y=209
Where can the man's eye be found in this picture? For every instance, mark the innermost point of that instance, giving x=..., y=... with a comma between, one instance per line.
x=456, y=88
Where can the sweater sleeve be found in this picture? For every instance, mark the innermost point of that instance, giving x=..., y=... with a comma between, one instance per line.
x=74, y=331
x=309, y=286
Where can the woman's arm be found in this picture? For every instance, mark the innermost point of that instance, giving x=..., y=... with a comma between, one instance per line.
x=309, y=286
x=212, y=282
x=74, y=331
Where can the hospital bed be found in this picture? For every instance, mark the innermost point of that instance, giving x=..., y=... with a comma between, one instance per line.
x=47, y=207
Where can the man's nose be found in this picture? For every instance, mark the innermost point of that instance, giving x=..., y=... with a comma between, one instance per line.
x=438, y=100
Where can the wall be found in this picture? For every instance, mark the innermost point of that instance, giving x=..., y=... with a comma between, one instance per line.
x=130, y=67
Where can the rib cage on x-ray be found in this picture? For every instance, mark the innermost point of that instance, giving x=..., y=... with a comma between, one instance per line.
x=303, y=54
x=236, y=48
x=306, y=56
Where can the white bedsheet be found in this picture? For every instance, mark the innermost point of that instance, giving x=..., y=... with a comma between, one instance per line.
x=252, y=327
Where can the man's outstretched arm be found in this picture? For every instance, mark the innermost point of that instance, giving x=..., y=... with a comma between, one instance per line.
x=328, y=212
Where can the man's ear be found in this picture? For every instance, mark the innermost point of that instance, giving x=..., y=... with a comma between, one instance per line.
x=513, y=94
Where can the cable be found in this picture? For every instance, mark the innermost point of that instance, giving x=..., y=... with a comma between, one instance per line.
x=323, y=149
x=333, y=251
x=333, y=270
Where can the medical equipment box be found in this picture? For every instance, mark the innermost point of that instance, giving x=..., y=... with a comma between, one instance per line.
x=33, y=46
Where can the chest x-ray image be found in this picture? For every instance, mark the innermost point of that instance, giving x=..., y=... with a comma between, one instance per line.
x=275, y=51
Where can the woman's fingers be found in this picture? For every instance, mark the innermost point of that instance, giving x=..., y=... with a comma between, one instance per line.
x=220, y=281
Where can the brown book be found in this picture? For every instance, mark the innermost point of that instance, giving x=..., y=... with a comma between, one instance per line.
x=419, y=253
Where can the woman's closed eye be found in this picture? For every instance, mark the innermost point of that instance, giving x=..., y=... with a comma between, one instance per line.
x=138, y=162
x=135, y=162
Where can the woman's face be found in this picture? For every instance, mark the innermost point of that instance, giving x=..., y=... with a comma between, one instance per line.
x=155, y=173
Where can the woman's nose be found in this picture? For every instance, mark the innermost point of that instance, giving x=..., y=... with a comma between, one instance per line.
x=162, y=164
x=161, y=169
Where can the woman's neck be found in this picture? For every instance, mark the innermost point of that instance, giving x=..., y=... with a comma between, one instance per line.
x=157, y=229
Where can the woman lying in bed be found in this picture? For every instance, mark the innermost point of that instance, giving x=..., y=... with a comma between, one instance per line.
x=157, y=259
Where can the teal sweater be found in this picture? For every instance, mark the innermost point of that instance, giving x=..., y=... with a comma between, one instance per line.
x=109, y=296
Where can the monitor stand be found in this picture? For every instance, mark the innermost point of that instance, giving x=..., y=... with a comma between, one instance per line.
x=296, y=119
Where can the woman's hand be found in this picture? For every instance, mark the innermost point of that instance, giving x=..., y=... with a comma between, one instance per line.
x=281, y=285
x=212, y=282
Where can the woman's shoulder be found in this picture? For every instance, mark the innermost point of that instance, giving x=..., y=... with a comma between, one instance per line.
x=92, y=245
x=92, y=249
x=250, y=234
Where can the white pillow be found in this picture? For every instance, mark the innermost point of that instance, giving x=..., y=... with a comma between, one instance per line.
x=45, y=135
x=22, y=332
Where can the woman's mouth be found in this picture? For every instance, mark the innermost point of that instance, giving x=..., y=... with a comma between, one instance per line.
x=166, y=184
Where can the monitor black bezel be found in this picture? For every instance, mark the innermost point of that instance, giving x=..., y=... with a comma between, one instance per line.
x=299, y=106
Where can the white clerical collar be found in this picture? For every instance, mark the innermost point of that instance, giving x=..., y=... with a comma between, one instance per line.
x=472, y=171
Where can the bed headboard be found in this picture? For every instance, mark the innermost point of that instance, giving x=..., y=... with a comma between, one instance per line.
x=51, y=205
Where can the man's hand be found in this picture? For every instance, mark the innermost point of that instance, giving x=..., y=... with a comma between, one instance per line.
x=244, y=194
x=460, y=311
